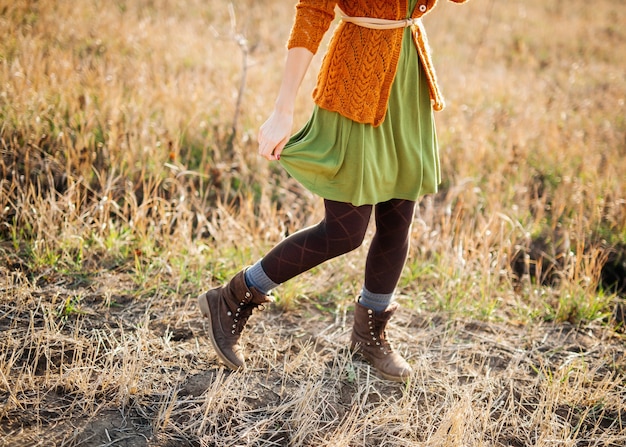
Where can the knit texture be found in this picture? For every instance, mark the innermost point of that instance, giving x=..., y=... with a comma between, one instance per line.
x=359, y=68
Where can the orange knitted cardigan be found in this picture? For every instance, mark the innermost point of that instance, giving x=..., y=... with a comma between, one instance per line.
x=360, y=65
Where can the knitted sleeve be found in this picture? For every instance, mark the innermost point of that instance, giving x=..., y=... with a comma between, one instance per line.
x=313, y=18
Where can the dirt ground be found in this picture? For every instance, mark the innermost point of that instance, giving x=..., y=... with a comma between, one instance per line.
x=139, y=371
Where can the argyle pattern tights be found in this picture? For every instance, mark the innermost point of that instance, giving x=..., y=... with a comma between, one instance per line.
x=342, y=230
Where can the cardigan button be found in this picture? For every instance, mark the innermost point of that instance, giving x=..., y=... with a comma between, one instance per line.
x=423, y=8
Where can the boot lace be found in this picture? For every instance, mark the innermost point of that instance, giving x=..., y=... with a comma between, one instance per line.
x=378, y=335
x=241, y=315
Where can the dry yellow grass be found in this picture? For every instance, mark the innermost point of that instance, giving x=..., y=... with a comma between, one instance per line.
x=124, y=192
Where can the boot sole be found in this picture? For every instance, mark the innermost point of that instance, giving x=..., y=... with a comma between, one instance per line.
x=203, y=303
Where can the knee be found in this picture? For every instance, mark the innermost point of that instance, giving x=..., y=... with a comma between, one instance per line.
x=343, y=240
x=355, y=239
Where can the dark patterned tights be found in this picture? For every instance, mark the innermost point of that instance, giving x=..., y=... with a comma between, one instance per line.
x=342, y=230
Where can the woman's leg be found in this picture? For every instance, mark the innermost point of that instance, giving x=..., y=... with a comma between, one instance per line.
x=388, y=252
x=342, y=230
x=228, y=308
x=384, y=264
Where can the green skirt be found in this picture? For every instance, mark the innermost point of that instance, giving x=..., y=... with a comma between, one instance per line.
x=345, y=161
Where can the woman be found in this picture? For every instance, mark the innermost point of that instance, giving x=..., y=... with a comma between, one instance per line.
x=369, y=144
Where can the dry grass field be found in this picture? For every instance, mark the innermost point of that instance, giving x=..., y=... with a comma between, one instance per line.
x=129, y=183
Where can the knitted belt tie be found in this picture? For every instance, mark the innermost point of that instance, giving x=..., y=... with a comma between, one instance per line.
x=374, y=23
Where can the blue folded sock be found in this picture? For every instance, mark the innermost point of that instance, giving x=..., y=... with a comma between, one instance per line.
x=255, y=277
x=375, y=301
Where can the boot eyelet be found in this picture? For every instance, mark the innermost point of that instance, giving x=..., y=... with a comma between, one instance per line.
x=232, y=332
x=229, y=313
x=247, y=294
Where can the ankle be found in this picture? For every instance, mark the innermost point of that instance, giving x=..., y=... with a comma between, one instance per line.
x=378, y=302
x=256, y=277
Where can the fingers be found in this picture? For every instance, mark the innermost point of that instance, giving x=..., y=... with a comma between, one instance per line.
x=279, y=148
x=267, y=146
x=275, y=153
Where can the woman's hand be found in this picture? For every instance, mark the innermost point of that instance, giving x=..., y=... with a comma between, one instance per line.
x=274, y=134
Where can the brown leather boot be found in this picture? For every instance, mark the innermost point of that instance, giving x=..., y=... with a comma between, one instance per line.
x=228, y=308
x=370, y=340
